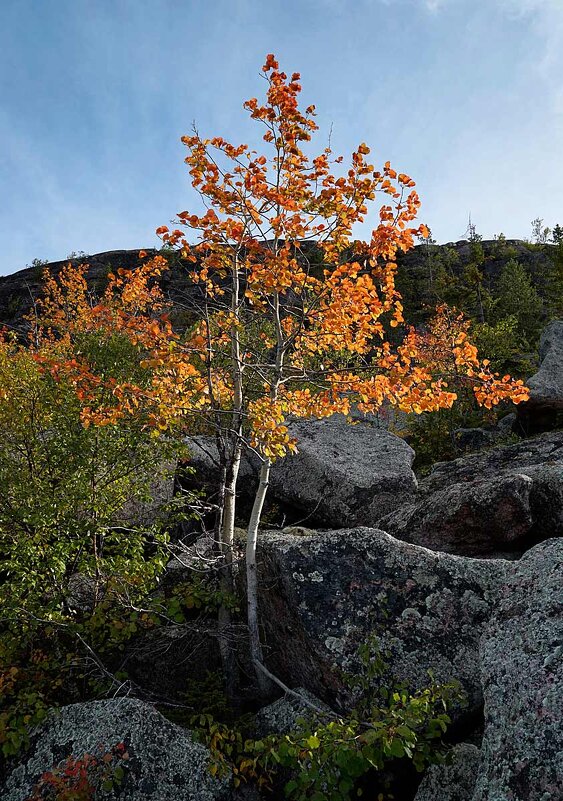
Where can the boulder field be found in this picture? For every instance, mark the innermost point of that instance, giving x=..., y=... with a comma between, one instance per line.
x=493, y=625
x=458, y=574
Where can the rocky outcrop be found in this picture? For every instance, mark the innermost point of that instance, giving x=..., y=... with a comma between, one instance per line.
x=283, y=715
x=18, y=289
x=522, y=674
x=498, y=502
x=163, y=761
x=454, y=780
x=481, y=518
x=324, y=595
x=344, y=475
x=544, y=409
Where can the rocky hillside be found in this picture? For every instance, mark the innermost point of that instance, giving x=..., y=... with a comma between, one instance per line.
x=18, y=290
x=454, y=578
x=420, y=273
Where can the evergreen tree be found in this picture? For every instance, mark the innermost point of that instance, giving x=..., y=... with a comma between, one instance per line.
x=517, y=297
x=554, y=285
x=540, y=232
x=479, y=299
x=557, y=235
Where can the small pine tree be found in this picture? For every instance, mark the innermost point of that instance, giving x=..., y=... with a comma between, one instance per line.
x=540, y=233
x=517, y=297
x=557, y=235
x=479, y=298
x=554, y=284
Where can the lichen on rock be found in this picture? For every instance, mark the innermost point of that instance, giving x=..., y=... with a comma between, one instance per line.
x=164, y=760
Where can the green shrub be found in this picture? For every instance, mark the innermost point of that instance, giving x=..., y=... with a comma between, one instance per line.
x=65, y=515
x=327, y=757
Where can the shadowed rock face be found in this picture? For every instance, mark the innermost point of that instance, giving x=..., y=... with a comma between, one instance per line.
x=164, y=762
x=324, y=595
x=163, y=662
x=452, y=782
x=522, y=674
x=17, y=291
x=481, y=518
x=495, y=503
x=283, y=715
x=526, y=455
x=468, y=440
x=544, y=410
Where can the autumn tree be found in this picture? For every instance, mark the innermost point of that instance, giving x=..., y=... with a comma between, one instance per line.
x=70, y=488
x=82, y=537
x=295, y=317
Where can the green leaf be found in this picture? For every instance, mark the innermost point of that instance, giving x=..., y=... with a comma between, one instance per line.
x=396, y=749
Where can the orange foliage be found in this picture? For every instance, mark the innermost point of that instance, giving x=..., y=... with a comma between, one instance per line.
x=282, y=331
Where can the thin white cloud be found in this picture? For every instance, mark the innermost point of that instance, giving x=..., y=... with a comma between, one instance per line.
x=546, y=17
x=546, y=20
x=434, y=5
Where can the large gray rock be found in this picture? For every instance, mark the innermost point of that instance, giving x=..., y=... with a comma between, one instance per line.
x=522, y=673
x=480, y=518
x=343, y=474
x=544, y=409
x=454, y=780
x=282, y=716
x=165, y=764
x=323, y=596
x=147, y=512
x=501, y=501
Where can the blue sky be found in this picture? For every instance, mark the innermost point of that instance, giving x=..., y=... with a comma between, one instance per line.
x=464, y=95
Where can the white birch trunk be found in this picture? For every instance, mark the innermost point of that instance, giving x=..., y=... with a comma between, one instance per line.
x=252, y=578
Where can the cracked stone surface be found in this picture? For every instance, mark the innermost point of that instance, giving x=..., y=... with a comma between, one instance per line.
x=324, y=595
x=165, y=763
x=522, y=674
x=453, y=781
